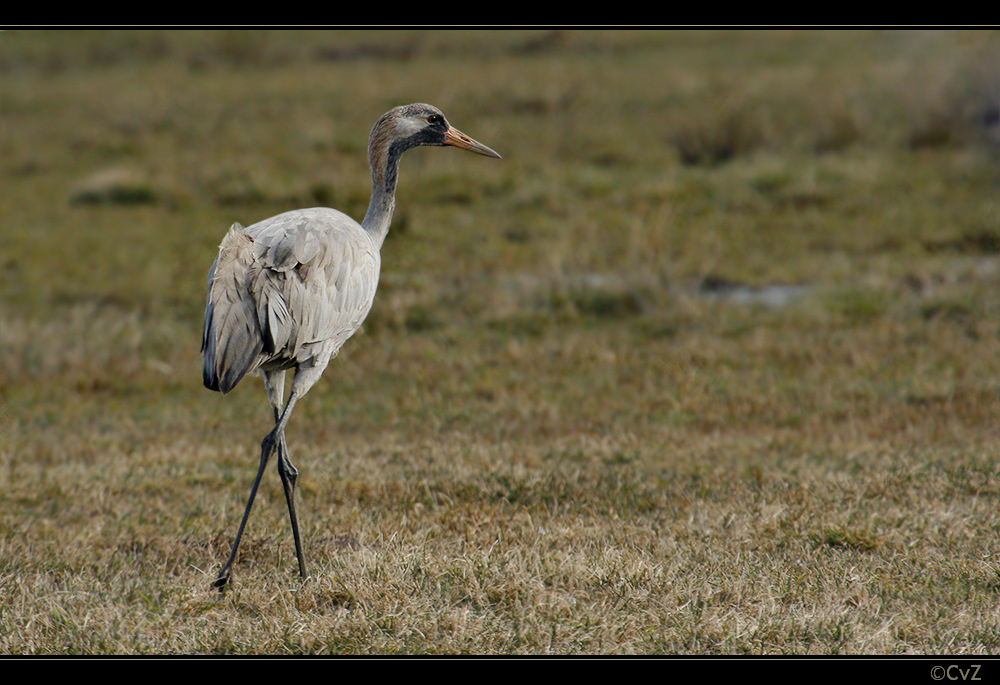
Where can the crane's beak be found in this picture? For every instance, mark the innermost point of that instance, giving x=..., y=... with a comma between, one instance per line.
x=458, y=139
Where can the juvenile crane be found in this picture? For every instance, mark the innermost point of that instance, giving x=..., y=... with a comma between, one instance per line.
x=287, y=292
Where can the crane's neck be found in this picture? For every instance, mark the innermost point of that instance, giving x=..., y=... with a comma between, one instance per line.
x=384, y=154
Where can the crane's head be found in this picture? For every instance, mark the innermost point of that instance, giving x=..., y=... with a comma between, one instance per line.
x=418, y=124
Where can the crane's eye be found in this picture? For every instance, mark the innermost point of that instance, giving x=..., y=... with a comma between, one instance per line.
x=435, y=119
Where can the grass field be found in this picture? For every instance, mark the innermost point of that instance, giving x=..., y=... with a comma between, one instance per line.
x=707, y=364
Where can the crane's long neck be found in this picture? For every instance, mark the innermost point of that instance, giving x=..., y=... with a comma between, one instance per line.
x=383, y=156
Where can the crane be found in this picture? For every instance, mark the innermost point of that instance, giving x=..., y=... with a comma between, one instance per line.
x=287, y=292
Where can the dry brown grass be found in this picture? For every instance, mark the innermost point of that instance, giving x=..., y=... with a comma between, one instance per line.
x=578, y=420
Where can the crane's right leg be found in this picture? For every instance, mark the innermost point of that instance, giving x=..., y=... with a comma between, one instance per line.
x=266, y=448
x=274, y=385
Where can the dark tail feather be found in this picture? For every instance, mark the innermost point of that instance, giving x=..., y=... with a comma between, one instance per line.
x=231, y=340
x=228, y=352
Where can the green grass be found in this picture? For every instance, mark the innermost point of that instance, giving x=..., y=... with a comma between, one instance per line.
x=575, y=422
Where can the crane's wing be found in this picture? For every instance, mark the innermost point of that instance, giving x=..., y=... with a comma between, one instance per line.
x=308, y=281
x=314, y=280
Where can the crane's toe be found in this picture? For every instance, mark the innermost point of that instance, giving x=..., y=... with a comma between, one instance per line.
x=222, y=581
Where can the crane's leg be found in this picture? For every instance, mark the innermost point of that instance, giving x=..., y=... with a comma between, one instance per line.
x=306, y=375
x=275, y=440
x=266, y=448
x=289, y=475
x=274, y=383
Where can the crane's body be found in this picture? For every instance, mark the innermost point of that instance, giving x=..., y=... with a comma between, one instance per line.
x=287, y=292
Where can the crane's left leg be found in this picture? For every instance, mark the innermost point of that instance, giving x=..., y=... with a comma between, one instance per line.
x=306, y=375
x=274, y=383
x=289, y=474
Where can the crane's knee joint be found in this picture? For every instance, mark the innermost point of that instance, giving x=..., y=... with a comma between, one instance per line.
x=269, y=443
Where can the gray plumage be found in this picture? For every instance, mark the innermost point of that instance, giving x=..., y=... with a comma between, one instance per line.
x=287, y=292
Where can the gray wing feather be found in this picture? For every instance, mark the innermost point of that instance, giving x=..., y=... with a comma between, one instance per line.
x=287, y=290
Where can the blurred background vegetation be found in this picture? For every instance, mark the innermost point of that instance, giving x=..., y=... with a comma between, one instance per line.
x=648, y=174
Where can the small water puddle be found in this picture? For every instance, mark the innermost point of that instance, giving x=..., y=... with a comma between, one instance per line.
x=772, y=296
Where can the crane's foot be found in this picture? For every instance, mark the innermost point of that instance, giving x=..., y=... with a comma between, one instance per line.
x=222, y=581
